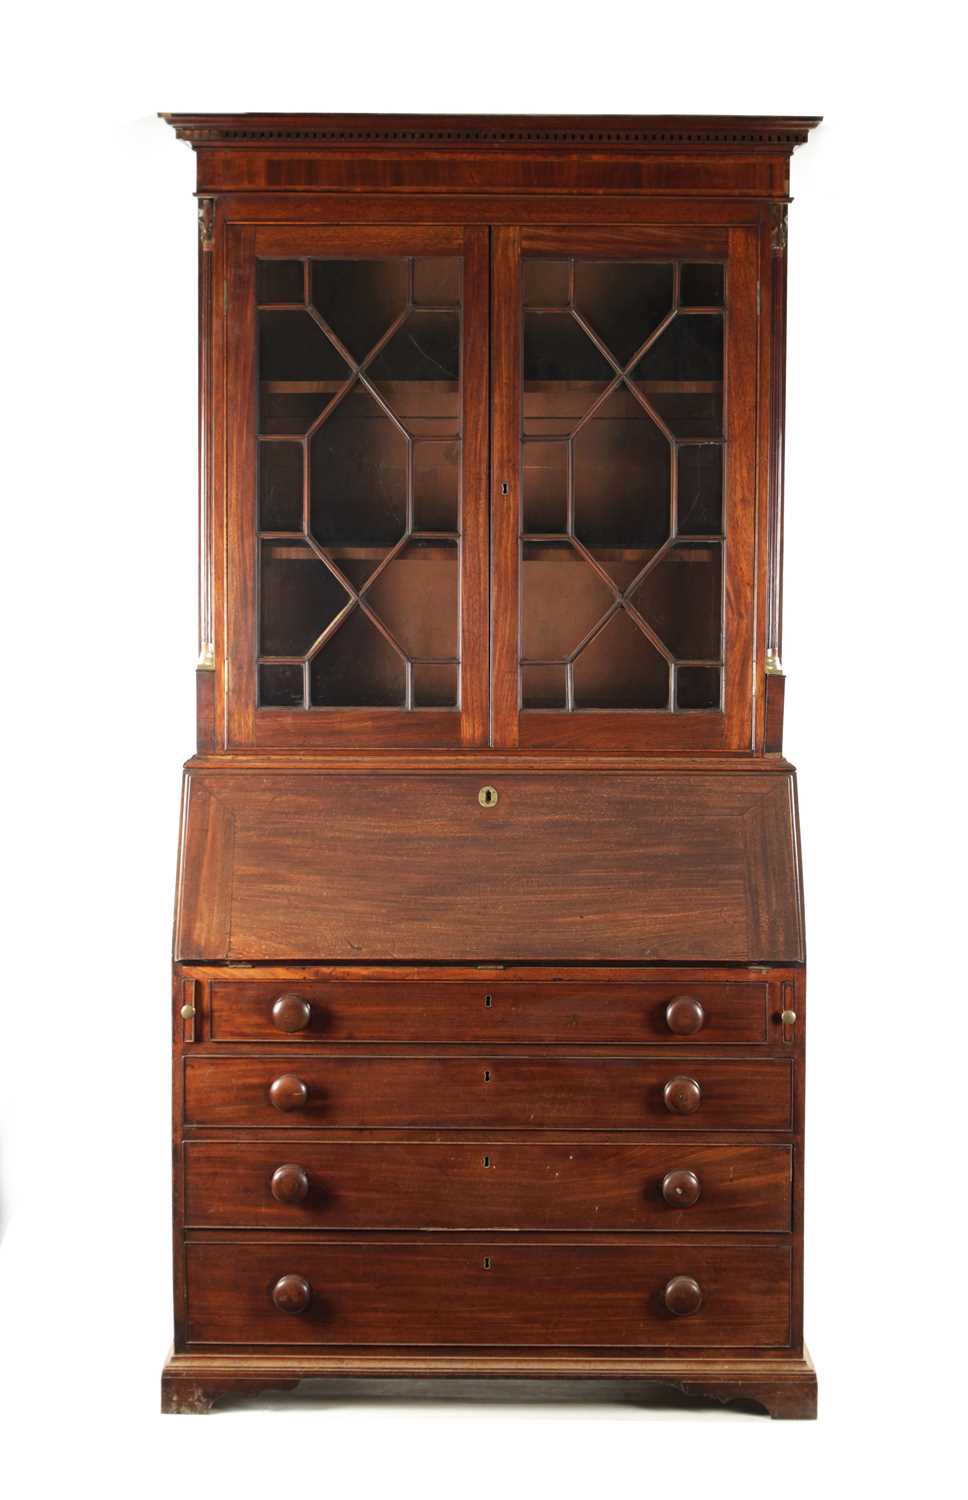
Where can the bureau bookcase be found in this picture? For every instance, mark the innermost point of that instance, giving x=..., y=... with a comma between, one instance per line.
x=488, y=1002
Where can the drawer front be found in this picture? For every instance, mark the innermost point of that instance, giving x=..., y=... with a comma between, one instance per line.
x=488, y=1011
x=487, y=1092
x=490, y=1293
x=432, y=1185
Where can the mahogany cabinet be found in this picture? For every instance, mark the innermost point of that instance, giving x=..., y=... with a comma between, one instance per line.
x=489, y=1001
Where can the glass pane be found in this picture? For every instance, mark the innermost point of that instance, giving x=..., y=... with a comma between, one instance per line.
x=281, y=686
x=700, y=497
x=682, y=600
x=558, y=348
x=620, y=668
x=436, y=485
x=357, y=668
x=545, y=499
x=417, y=373
x=280, y=486
x=294, y=347
x=298, y=598
x=416, y=598
x=687, y=414
x=435, y=684
x=691, y=348
x=564, y=373
x=623, y=469
x=543, y=687
x=623, y=302
x=698, y=687
x=360, y=299
x=547, y=283
x=622, y=452
x=280, y=281
x=702, y=286
x=290, y=413
x=436, y=282
x=381, y=459
x=358, y=474
x=562, y=598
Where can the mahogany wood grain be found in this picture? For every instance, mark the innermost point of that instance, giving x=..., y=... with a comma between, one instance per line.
x=480, y=1173
x=492, y=1293
x=492, y=1091
x=490, y=1185
x=205, y=738
x=488, y=1009
x=781, y=1384
x=615, y=867
x=493, y=208
x=773, y=713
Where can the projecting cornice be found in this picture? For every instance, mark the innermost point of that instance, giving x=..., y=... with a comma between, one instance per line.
x=652, y=133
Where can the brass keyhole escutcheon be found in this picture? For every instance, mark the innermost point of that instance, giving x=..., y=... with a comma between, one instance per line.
x=487, y=796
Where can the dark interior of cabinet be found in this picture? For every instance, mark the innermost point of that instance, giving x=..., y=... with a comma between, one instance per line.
x=622, y=428
x=359, y=482
x=622, y=438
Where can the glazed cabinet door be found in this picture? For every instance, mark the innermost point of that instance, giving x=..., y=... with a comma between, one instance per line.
x=624, y=378
x=355, y=408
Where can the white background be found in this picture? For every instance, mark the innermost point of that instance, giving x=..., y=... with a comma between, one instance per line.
x=98, y=308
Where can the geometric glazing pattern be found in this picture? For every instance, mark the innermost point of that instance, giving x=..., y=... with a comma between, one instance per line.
x=622, y=438
x=359, y=482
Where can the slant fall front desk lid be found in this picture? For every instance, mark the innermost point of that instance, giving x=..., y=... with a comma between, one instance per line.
x=374, y=866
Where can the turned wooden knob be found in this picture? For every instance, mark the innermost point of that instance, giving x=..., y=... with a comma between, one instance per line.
x=682, y=1096
x=682, y=1296
x=685, y=1016
x=291, y=1013
x=293, y=1294
x=290, y=1183
x=680, y=1188
x=288, y=1092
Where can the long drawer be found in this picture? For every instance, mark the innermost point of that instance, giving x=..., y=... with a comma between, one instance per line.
x=490, y=1293
x=456, y=1185
x=488, y=1010
x=617, y=1093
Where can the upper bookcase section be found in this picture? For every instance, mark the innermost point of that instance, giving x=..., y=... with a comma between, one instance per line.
x=743, y=156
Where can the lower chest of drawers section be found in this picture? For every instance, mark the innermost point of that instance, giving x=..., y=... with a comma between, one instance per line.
x=358, y=1169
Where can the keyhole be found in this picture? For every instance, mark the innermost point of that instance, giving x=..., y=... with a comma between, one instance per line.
x=487, y=1075
x=487, y=1262
x=488, y=1001
x=487, y=1161
x=487, y=796
x=505, y=488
